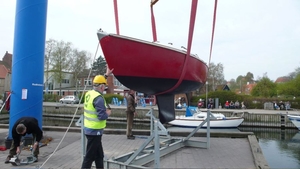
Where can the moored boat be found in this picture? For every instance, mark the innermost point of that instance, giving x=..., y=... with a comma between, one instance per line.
x=195, y=117
x=295, y=119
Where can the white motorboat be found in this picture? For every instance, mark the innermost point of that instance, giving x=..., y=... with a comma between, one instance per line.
x=295, y=119
x=194, y=117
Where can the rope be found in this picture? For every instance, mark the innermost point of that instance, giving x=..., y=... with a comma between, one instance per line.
x=77, y=108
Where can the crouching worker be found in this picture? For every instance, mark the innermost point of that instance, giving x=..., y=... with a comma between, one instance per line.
x=23, y=126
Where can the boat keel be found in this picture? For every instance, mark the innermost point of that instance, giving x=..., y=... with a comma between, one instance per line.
x=165, y=103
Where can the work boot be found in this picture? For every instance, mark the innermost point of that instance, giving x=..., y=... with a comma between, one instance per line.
x=131, y=137
x=7, y=159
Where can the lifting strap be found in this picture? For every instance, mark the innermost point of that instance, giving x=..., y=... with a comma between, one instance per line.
x=153, y=22
x=213, y=31
x=116, y=16
x=189, y=45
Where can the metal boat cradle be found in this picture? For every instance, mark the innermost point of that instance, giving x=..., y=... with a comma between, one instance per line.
x=163, y=145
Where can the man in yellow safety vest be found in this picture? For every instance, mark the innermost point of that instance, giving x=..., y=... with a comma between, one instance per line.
x=96, y=111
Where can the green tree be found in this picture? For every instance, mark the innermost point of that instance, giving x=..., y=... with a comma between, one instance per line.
x=61, y=57
x=295, y=73
x=78, y=63
x=249, y=77
x=233, y=85
x=296, y=83
x=215, y=75
x=241, y=81
x=48, y=52
x=99, y=67
x=290, y=88
x=264, y=88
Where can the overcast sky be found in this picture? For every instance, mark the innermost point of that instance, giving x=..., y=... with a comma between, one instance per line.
x=257, y=36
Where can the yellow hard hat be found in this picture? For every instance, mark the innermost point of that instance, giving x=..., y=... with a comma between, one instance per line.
x=99, y=79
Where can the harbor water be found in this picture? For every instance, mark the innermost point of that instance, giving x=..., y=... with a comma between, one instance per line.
x=281, y=148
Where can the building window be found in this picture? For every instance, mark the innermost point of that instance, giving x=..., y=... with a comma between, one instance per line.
x=87, y=82
x=67, y=81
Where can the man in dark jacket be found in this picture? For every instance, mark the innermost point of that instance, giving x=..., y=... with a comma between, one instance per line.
x=130, y=111
x=23, y=126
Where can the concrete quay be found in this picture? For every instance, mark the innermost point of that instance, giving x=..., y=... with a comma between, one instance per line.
x=71, y=108
x=252, y=117
x=227, y=149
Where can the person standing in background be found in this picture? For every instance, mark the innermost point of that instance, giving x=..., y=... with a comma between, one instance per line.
x=130, y=113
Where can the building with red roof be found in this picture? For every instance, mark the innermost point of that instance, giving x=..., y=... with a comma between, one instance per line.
x=5, y=72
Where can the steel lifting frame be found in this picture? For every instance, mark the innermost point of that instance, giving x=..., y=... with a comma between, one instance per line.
x=146, y=153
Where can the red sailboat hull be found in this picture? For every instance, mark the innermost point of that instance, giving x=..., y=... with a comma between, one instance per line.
x=151, y=68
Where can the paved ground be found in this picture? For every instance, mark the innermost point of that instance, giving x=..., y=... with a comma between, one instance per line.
x=65, y=150
x=223, y=152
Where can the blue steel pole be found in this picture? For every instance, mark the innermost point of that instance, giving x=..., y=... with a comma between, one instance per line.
x=28, y=61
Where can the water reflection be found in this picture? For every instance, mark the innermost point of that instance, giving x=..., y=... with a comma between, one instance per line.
x=280, y=147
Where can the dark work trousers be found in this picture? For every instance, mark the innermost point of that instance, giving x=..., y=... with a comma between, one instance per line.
x=94, y=152
x=13, y=149
x=130, y=116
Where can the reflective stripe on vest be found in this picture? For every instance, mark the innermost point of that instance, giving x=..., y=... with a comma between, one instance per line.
x=90, y=114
